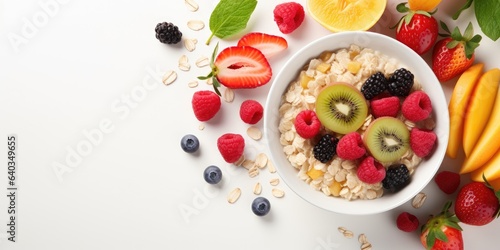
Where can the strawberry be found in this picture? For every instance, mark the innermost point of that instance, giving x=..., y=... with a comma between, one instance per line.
x=442, y=231
x=477, y=204
x=418, y=29
x=454, y=54
x=238, y=67
x=269, y=45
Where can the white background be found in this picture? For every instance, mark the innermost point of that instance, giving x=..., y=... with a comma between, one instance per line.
x=87, y=67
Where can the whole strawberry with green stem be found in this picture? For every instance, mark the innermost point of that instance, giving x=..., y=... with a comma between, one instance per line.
x=418, y=29
x=442, y=231
x=477, y=203
x=454, y=54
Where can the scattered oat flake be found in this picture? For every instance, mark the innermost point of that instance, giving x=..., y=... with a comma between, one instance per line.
x=418, y=200
x=234, y=195
x=202, y=62
x=210, y=81
x=240, y=161
x=257, y=189
x=169, y=77
x=183, y=59
x=196, y=25
x=190, y=44
x=271, y=168
x=193, y=84
x=278, y=193
x=201, y=126
x=274, y=181
x=366, y=246
x=348, y=234
x=254, y=133
x=191, y=5
x=228, y=95
x=261, y=160
x=362, y=239
x=248, y=164
x=184, y=66
x=253, y=171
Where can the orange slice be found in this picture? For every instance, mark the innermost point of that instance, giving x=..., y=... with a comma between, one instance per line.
x=343, y=15
x=425, y=5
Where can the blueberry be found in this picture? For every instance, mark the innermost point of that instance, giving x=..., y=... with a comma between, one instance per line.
x=212, y=174
x=190, y=143
x=261, y=206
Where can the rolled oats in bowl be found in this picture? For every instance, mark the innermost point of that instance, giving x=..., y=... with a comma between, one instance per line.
x=345, y=167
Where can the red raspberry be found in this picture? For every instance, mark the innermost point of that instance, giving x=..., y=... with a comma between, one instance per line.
x=447, y=181
x=205, y=104
x=417, y=106
x=407, y=222
x=231, y=147
x=307, y=124
x=387, y=106
x=351, y=147
x=370, y=171
x=251, y=111
x=422, y=141
x=288, y=16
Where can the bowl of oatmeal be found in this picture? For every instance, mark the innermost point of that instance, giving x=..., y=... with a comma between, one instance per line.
x=345, y=181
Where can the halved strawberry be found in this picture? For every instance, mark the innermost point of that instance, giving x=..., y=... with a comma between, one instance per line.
x=269, y=45
x=239, y=68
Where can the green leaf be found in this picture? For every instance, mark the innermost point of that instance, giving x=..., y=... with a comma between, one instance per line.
x=456, y=35
x=488, y=17
x=445, y=27
x=469, y=32
x=216, y=85
x=466, y=6
x=230, y=16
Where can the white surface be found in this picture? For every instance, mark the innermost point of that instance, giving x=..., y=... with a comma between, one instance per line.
x=406, y=58
x=93, y=64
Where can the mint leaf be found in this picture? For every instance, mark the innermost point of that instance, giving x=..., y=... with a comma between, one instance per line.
x=488, y=17
x=230, y=16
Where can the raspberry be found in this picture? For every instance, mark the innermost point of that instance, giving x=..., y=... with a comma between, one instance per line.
x=288, y=16
x=231, y=147
x=168, y=33
x=326, y=148
x=400, y=82
x=374, y=85
x=307, y=124
x=396, y=178
x=447, y=181
x=417, y=106
x=407, y=222
x=422, y=141
x=205, y=104
x=388, y=106
x=251, y=111
x=351, y=147
x=370, y=171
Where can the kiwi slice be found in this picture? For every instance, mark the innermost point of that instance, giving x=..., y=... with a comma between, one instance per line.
x=387, y=139
x=341, y=108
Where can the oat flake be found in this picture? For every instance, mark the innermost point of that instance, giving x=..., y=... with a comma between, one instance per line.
x=169, y=77
x=234, y=195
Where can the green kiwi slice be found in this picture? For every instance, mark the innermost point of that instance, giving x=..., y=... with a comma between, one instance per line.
x=341, y=108
x=387, y=139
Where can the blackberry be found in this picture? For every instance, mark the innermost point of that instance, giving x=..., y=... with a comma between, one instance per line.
x=396, y=177
x=168, y=33
x=374, y=85
x=400, y=82
x=326, y=148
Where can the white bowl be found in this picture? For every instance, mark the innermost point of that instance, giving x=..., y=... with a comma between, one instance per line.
x=392, y=48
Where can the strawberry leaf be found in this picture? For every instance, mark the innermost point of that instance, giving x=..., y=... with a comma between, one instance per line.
x=229, y=17
x=445, y=27
x=401, y=8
